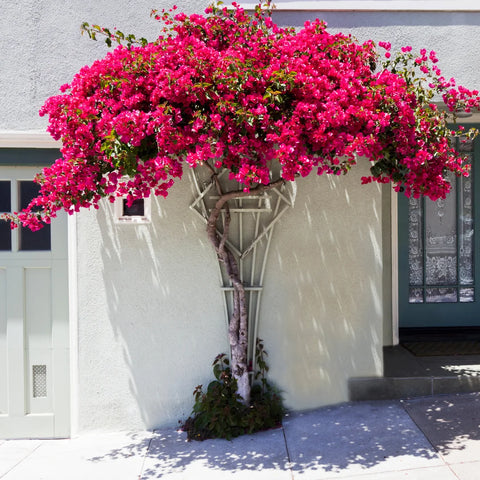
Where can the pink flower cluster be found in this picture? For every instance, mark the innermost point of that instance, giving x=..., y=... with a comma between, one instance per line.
x=239, y=92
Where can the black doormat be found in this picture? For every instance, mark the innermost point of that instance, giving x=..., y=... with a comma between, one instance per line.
x=443, y=348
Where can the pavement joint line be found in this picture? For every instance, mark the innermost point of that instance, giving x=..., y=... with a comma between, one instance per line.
x=22, y=459
x=439, y=454
x=450, y=468
x=288, y=452
x=365, y=475
x=140, y=476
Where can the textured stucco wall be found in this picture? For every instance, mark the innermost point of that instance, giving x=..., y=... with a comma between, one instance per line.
x=321, y=316
x=150, y=317
x=41, y=47
x=454, y=36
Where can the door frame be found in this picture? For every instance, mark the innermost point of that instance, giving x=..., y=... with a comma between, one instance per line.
x=395, y=272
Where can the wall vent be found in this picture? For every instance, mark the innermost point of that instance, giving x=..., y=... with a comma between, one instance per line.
x=39, y=380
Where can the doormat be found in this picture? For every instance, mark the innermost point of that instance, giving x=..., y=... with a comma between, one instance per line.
x=434, y=349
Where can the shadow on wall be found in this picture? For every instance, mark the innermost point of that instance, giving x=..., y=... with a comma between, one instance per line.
x=323, y=303
x=320, y=317
x=164, y=306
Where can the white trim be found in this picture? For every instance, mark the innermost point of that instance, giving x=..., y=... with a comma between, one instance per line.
x=73, y=320
x=394, y=245
x=120, y=218
x=27, y=140
x=375, y=5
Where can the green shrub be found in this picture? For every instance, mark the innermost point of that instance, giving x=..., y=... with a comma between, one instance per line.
x=220, y=413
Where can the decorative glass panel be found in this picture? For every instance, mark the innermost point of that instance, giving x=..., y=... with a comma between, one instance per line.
x=466, y=247
x=39, y=240
x=415, y=241
x=440, y=295
x=415, y=295
x=5, y=207
x=467, y=295
x=441, y=242
x=441, y=239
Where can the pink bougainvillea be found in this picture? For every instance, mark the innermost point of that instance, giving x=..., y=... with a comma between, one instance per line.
x=241, y=93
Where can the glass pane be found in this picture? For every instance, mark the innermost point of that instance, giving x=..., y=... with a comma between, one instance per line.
x=415, y=241
x=39, y=240
x=465, y=145
x=136, y=209
x=5, y=207
x=415, y=295
x=467, y=295
x=5, y=193
x=466, y=229
x=441, y=239
x=5, y=236
x=441, y=295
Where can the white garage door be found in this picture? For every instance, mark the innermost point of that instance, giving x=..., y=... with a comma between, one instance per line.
x=34, y=333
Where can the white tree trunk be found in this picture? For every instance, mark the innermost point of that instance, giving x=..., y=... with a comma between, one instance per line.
x=238, y=324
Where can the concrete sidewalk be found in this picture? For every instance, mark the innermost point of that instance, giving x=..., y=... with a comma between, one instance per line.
x=420, y=439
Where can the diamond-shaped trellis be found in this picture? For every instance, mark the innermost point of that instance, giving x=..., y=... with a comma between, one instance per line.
x=253, y=219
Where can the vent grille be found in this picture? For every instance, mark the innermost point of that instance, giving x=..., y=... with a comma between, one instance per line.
x=39, y=378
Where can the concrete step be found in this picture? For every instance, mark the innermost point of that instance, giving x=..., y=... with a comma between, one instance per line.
x=386, y=388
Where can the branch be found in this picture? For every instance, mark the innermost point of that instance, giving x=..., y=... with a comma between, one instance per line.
x=242, y=193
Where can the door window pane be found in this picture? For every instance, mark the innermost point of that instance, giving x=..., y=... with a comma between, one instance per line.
x=441, y=242
x=441, y=238
x=467, y=295
x=5, y=207
x=415, y=241
x=441, y=295
x=39, y=240
x=415, y=295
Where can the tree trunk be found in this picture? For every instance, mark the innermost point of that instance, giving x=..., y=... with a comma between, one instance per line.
x=238, y=324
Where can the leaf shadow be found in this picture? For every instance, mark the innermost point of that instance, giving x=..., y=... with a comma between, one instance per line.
x=354, y=438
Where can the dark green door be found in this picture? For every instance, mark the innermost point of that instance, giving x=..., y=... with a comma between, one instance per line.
x=439, y=253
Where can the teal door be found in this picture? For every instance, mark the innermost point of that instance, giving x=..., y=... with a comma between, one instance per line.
x=439, y=253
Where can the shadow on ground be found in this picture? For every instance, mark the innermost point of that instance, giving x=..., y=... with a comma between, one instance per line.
x=450, y=422
x=355, y=438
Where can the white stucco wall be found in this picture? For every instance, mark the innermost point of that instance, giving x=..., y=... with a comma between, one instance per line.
x=453, y=35
x=42, y=47
x=150, y=317
x=321, y=316
x=150, y=311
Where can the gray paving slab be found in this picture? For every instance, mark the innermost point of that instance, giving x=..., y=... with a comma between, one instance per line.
x=467, y=470
x=451, y=423
x=357, y=439
x=172, y=457
x=430, y=473
x=118, y=456
x=14, y=452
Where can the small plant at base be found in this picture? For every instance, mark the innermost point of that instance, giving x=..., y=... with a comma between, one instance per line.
x=220, y=413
